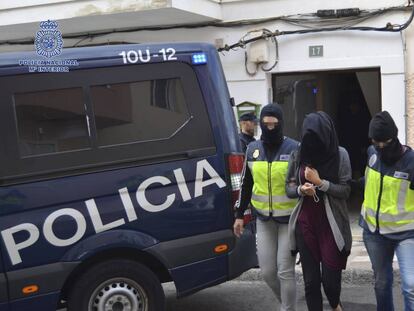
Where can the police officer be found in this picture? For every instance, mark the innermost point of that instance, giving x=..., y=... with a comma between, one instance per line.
x=263, y=185
x=247, y=122
x=388, y=211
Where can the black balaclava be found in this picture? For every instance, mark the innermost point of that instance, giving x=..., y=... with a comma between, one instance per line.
x=273, y=137
x=319, y=147
x=382, y=128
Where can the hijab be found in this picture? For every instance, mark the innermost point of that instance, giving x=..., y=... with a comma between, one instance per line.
x=319, y=147
x=382, y=128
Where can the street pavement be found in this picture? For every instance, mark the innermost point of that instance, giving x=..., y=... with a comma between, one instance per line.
x=358, y=270
x=256, y=296
x=249, y=292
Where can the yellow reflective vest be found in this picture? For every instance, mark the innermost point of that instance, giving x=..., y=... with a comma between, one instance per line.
x=388, y=200
x=268, y=193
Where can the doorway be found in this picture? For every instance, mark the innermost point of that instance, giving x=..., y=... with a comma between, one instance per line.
x=350, y=97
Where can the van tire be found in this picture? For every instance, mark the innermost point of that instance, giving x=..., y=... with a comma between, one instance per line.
x=118, y=281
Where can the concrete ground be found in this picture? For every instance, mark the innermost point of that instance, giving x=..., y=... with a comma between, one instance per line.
x=249, y=292
x=255, y=295
x=358, y=269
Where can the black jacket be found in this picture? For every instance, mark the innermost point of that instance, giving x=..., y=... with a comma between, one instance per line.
x=245, y=140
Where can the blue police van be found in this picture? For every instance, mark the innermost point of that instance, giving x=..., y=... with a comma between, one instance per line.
x=120, y=167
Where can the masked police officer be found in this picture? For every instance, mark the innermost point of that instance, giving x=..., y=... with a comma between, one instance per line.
x=388, y=211
x=263, y=185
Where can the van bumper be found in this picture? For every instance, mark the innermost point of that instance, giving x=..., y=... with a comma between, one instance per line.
x=44, y=302
x=49, y=278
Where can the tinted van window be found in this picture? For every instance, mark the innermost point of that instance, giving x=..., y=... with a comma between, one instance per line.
x=51, y=121
x=138, y=111
x=100, y=118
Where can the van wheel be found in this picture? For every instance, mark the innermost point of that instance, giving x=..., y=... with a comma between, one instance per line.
x=117, y=285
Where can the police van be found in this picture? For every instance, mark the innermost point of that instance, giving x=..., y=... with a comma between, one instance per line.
x=120, y=167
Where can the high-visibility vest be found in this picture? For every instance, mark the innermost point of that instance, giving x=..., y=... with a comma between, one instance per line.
x=388, y=200
x=268, y=193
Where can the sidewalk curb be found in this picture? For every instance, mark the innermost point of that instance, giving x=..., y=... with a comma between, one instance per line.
x=354, y=274
x=350, y=276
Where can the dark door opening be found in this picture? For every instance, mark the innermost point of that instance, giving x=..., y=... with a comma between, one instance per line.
x=350, y=97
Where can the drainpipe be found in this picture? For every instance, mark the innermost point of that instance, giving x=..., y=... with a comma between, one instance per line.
x=409, y=76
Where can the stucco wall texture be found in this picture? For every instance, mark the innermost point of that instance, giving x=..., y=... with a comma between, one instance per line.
x=410, y=110
x=410, y=84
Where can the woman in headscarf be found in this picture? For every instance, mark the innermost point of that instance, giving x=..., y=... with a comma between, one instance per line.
x=318, y=174
x=387, y=215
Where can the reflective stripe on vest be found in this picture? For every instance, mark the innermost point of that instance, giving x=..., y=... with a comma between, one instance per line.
x=396, y=212
x=276, y=201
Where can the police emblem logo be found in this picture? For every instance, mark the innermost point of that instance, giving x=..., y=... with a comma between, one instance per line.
x=401, y=175
x=48, y=41
x=256, y=154
x=284, y=157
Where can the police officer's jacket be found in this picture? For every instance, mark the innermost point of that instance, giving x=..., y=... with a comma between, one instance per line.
x=245, y=140
x=388, y=205
x=263, y=180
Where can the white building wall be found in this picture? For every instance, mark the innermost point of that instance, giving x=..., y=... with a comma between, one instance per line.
x=248, y=9
x=353, y=50
x=342, y=50
x=409, y=53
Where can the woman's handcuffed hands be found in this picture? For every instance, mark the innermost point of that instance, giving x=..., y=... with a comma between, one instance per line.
x=312, y=175
x=307, y=189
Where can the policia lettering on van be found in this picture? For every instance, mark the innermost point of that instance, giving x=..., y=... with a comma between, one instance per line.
x=33, y=232
x=117, y=176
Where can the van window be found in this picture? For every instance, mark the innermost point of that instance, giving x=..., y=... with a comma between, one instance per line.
x=138, y=111
x=51, y=121
x=106, y=117
x=167, y=94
